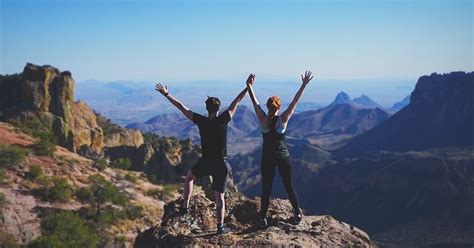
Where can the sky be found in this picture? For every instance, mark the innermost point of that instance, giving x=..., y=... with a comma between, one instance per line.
x=225, y=40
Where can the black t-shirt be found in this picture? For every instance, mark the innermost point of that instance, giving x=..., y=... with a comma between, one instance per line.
x=213, y=134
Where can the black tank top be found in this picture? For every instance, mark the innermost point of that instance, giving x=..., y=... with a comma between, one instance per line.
x=273, y=141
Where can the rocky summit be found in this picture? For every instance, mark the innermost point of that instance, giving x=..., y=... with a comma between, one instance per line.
x=198, y=227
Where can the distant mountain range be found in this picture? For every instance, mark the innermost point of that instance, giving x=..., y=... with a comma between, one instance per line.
x=440, y=114
x=334, y=123
x=362, y=101
x=126, y=102
x=323, y=127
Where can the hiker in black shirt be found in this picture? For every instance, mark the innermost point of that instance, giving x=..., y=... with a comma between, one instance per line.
x=213, y=132
x=274, y=152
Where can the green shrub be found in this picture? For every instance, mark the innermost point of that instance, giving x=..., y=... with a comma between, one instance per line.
x=55, y=189
x=35, y=172
x=121, y=239
x=44, y=147
x=134, y=211
x=66, y=229
x=100, y=164
x=3, y=177
x=121, y=163
x=101, y=194
x=12, y=155
x=107, y=125
x=165, y=194
x=131, y=177
x=3, y=200
x=7, y=240
x=31, y=126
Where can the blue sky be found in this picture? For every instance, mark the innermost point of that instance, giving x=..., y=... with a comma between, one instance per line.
x=225, y=40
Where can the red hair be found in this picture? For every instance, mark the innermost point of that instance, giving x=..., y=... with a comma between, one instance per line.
x=274, y=102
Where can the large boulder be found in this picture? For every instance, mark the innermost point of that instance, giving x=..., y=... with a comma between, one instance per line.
x=198, y=227
x=125, y=137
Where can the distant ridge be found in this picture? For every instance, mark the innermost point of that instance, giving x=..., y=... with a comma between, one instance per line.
x=440, y=114
x=399, y=105
x=362, y=101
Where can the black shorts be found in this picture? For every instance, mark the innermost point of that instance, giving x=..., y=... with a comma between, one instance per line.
x=219, y=169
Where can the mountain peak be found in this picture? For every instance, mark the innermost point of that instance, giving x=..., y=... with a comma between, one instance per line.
x=341, y=97
x=365, y=102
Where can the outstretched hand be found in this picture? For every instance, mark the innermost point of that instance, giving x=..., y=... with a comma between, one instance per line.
x=162, y=89
x=250, y=79
x=307, y=77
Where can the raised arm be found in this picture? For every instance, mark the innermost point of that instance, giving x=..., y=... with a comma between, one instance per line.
x=286, y=115
x=164, y=91
x=236, y=101
x=256, y=104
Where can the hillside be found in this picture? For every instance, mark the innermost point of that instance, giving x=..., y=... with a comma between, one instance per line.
x=440, y=114
x=25, y=205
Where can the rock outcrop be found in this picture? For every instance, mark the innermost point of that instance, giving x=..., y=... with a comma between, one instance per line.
x=41, y=92
x=115, y=135
x=45, y=96
x=440, y=114
x=87, y=132
x=126, y=137
x=198, y=228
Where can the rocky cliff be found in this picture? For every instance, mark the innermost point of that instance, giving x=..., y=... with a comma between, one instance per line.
x=44, y=95
x=86, y=130
x=41, y=92
x=440, y=114
x=198, y=228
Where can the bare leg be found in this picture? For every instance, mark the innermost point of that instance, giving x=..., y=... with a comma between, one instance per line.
x=220, y=206
x=188, y=188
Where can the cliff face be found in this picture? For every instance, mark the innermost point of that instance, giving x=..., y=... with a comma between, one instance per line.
x=41, y=92
x=440, y=114
x=46, y=95
x=87, y=131
x=198, y=228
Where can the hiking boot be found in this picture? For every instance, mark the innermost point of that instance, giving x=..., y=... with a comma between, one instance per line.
x=262, y=223
x=297, y=218
x=222, y=229
x=183, y=210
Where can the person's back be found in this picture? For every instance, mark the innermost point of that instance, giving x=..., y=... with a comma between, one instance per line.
x=274, y=138
x=213, y=134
